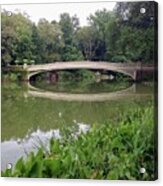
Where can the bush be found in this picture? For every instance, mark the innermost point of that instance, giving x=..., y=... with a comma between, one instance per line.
x=109, y=152
x=119, y=58
x=81, y=74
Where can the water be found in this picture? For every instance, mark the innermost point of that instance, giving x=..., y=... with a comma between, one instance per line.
x=31, y=116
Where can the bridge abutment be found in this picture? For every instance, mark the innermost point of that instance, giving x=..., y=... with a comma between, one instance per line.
x=137, y=75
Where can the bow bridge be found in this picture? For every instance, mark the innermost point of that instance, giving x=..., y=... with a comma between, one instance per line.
x=136, y=71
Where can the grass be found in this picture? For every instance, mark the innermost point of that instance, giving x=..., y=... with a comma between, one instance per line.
x=108, y=151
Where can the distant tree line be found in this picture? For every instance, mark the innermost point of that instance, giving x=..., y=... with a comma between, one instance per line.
x=121, y=35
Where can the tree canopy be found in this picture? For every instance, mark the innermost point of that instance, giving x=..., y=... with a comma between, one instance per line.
x=121, y=35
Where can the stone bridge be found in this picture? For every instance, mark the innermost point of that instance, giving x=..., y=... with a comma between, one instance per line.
x=135, y=71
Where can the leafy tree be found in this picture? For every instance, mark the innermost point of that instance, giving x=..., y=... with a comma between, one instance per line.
x=75, y=23
x=121, y=35
x=69, y=27
x=87, y=42
x=37, y=45
x=129, y=13
x=104, y=24
x=51, y=41
x=136, y=40
x=16, y=38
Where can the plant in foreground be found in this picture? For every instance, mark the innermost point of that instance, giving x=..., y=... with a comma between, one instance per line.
x=107, y=152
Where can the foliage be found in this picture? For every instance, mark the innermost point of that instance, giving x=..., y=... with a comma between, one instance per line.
x=136, y=39
x=121, y=35
x=10, y=77
x=111, y=151
x=81, y=74
x=104, y=24
x=69, y=27
x=16, y=38
x=51, y=41
x=87, y=42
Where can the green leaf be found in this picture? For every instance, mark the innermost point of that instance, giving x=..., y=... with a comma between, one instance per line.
x=113, y=175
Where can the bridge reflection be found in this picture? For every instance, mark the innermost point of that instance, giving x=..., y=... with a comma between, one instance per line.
x=122, y=94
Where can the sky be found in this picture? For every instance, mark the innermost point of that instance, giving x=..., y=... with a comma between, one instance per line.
x=53, y=11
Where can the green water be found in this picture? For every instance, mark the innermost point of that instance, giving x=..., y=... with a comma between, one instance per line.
x=27, y=120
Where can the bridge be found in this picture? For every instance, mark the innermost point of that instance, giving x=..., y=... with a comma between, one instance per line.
x=136, y=71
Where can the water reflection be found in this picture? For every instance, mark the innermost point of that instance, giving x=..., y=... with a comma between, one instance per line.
x=23, y=108
x=13, y=149
x=128, y=92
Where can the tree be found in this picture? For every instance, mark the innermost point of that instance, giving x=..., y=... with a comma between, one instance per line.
x=37, y=45
x=51, y=41
x=75, y=23
x=129, y=13
x=136, y=39
x=121, y=35
x=69, y=27
x=16, y=38
x=104, y=24
x=87, y=42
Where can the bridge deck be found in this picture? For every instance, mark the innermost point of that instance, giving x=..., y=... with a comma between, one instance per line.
x=88, y=64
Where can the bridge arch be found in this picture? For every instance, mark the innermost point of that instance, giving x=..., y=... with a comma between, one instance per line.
x=38, y=72
x=120, y=68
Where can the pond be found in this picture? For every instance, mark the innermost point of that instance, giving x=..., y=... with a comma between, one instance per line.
x=31, y=114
